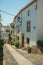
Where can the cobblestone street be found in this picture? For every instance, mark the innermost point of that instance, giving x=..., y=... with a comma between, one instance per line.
x=36, y=59
x=7, y=58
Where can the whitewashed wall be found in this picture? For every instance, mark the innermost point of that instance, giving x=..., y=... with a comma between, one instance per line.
x=36, y=18
x=32, y=18
x=40, y=20
x=16, y=28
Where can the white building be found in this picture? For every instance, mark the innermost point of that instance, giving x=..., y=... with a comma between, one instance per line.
x=5, y=32
x=12, y=29
x=40, y=20
x=29, y=23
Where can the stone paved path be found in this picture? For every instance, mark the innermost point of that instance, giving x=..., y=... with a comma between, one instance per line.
x=18, y=57
x=7, y=58
x=36, y=59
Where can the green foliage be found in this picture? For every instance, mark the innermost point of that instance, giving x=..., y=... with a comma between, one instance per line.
x=12, y=25
x=17, y=44
x=10, y=38
x=29, y=49
x=1, y=43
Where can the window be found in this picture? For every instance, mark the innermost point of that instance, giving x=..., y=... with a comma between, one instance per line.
x=36, y=7
x=28, y=40
x=18, y=37
x=18, y=17
x=28, y=12
x=28, y=26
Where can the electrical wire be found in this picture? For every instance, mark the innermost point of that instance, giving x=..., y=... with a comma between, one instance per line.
x=7, y=13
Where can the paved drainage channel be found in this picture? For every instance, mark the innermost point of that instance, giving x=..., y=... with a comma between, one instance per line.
x=8, y=59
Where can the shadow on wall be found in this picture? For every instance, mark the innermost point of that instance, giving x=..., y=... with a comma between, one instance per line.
x=40, y=45
x=1, y=51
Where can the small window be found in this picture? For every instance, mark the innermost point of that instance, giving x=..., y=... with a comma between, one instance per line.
x=36, y=7
x=28, y=40
x=28, y=26
x=18, y=37
x=28, y=12
x=18, y=17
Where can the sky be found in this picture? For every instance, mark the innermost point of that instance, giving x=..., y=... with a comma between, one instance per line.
x=12, y=7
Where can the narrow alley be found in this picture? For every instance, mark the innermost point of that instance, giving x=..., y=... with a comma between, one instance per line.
x=21, y=32
x=7, y=58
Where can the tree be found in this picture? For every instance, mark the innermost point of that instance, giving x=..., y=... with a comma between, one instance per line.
x=12, y=25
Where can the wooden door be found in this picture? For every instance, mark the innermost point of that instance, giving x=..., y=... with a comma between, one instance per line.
x=22, y=39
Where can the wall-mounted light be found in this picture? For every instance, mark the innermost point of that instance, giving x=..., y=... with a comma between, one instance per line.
x=34, y=27
x=19, y=20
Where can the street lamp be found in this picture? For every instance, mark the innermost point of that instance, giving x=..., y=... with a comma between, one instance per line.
x=19, y=19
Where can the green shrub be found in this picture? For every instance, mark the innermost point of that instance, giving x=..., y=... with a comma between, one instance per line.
x=1, y=43
x=17, y=44
x=29, y=49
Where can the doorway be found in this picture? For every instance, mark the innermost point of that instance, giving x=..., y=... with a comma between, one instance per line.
x=22, y=39
x=28, y=41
